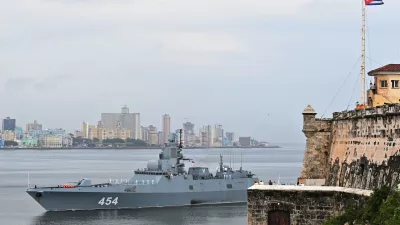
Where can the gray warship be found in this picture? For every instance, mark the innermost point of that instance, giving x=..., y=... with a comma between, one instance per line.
x=164, y=182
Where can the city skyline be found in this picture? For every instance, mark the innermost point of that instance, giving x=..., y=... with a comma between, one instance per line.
x=116, y=127
x=81, y=127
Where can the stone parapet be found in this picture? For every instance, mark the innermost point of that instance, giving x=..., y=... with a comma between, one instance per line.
x=299, y=205
x=388, y=109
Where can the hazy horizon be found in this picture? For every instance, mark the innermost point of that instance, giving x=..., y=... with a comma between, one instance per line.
x=252, y=66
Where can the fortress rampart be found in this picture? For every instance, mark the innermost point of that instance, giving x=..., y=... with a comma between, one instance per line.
x=357, y=148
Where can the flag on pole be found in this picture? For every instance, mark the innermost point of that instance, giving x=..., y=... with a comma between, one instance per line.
x=373, y=2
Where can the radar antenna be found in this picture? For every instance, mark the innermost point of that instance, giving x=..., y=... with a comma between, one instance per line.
x=221, y=168
x=241, y=159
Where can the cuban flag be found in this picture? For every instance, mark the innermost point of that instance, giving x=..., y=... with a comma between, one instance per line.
x=373, y=2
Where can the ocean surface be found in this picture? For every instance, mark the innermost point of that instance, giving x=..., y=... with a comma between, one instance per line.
x=53, y=167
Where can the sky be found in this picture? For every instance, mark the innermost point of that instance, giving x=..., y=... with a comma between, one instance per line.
x=251, y=65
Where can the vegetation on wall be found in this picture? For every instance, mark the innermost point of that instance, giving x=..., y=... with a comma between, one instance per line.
x=116, y=141
x=382, y=208
x=10, y=143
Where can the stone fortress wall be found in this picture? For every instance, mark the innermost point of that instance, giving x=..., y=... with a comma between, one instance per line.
x=357, y=148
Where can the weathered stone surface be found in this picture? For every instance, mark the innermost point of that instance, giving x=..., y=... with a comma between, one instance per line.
x=359, y=149
x=318, y=133
x=306, y=205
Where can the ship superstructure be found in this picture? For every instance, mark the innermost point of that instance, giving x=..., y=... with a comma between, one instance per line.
x=164, y=182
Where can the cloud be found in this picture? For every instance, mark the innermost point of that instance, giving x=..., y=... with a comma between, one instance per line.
x=15, y=85
x=208, y=59
x=202, y=42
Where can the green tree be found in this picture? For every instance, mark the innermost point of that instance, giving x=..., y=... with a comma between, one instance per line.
x=382, y=208
x=10, y=143
x=374, y=203
x=113, y=141
x=135, y=142
x=388, y=208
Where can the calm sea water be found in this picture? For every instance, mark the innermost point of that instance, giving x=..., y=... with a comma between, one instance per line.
x=49, y=167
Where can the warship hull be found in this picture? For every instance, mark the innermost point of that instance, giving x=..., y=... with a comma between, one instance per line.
x=162, y=183
x=67, y=201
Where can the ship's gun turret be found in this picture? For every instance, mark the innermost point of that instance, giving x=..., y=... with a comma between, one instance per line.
x=84, y=182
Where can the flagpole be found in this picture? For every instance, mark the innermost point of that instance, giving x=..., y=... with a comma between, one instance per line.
x=362, y=72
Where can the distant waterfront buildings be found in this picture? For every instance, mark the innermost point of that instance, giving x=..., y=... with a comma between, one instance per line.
x=153, y=135
x=8, y=124
x=9, y=135
x=166, y=128
x=206, y=137
x=160, y=138
x=145, y=134
x=230, y=136
x=33, y=126
x=102, y=133
x=124, y=125
x=245, y=141
x=189, y=136
x=30, y=142
x=127, y=120
x=78, y=133
x=85, y=129
x=19, y=133
x=55, y=141
x=37, y=133
x=218, y=135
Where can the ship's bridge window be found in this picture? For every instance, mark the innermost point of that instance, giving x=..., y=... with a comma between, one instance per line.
x=384, y=84
x=395, y=83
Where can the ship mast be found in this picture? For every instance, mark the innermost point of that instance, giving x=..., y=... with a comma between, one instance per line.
x=362, y=72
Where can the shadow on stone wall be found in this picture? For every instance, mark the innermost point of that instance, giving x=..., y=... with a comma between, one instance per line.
x=364, y=174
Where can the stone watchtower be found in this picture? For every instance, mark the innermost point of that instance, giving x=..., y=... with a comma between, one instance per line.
x=316, y=156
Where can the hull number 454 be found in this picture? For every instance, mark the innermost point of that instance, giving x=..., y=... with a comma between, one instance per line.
x=108, y=201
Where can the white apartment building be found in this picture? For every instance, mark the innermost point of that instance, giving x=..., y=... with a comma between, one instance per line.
x=127, y=120
x=51, y=141
x=9, y=135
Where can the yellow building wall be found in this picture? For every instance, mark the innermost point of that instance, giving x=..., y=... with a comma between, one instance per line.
x=384, y=95
x=102, y=133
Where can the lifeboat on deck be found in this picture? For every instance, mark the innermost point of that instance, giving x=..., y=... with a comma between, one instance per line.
x=68, y=186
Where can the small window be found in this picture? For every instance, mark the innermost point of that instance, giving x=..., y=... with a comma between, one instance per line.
x=395, y=83
x=383, y=83
x=190, y=187
x=229, y=186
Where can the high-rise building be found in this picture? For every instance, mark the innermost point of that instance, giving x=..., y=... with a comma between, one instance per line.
x=9, y=135
x=245, y=141
x=189, y=136
x=33, y=126
x=160, y=138
x=127, y=120
x=166, y=128
x=218, y=135
x=206, y=137
x=102, y=133
x=8, y=124
x=153, y=135
x=85, y=129
x=145, y=134
x=230, y=136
